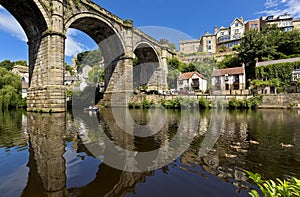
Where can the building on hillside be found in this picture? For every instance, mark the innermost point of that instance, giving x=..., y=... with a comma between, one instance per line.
x=191, y=81
x=189, y=46
x=22, y=71
x=252, y=25
x=228, y=37
x=296, y=24
x=224, y=37
x=228, y=81
x=208, y=43
x=85, y=71
x=285, y=22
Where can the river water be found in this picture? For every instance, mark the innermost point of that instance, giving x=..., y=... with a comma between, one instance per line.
x=205, y=154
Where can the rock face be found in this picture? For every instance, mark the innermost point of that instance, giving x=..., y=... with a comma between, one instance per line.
x=46, y=22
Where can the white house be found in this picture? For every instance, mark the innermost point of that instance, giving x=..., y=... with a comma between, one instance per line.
x=228, y=80
x=191, y=81
x=23, y=72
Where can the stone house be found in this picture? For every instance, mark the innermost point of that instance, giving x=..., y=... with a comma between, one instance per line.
x=228, y=81
x=23, y=72
x=191, y=81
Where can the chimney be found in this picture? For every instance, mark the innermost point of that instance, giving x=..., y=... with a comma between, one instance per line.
x=215, y=29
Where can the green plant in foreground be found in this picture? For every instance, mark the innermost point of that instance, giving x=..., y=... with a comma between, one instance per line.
x=290, y=187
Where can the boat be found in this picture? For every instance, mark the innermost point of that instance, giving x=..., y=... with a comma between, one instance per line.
x=91, y=108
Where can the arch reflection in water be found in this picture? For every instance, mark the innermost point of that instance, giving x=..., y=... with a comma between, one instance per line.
x=127, y=152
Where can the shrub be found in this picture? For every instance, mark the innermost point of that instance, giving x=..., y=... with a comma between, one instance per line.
x=290, y=187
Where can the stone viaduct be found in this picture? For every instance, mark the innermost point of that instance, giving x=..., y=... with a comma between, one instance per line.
x=46, y=22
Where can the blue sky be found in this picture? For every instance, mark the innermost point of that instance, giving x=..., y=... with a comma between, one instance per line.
x=160, y=18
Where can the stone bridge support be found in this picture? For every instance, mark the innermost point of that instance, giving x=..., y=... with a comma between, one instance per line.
x=46, y=59
x=47, y=91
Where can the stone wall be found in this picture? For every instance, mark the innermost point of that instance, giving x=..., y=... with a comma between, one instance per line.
x=281, y=101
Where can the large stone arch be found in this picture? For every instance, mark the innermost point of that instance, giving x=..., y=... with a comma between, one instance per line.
x=31, y=15
x=105, y=35
x=148, y=68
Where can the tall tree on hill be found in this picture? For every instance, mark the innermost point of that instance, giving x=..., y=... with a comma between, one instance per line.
x=254, y=45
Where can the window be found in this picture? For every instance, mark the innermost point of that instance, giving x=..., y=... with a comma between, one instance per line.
x=226, y=77
x=236, y=78
x=236, y=31
x=226, y=86
x=254, y=26
x=236, y=24
x=222, y=33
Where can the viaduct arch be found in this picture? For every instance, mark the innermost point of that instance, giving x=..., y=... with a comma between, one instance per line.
x=46, y=22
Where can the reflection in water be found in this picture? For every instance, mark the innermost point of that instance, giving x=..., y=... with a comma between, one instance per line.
x=46, y=162
x=54, y=154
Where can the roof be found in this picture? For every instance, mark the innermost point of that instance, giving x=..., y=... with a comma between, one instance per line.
x=71, y=78
x=229, y=71
x=189, y=75
x=22, y=69
x=296, y=59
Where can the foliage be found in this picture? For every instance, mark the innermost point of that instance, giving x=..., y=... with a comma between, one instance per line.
x=91, y=58
x=230, y=61
x=69, y=69
x=271, y=83
x=7, y=64
x=175, y=66
x=250, y=103
x=289, y=187
x=202, y=103
x=21, y=62
x=10, y=90
x=145, y=104
x=271, y=43
x=281, y=71
x=96, y=74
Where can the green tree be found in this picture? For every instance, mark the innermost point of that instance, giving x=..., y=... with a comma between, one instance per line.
x=69, y=68
x=10, y=89
x=230, y=61
x=7, y=64
x=254, y=45
x=21, y=62
x=96, y=74
x=91, y=58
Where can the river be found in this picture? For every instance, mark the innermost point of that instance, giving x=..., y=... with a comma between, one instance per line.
x=151, y=153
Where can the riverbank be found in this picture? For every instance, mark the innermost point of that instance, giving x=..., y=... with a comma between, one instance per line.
x=279, y=101
x=188, y=102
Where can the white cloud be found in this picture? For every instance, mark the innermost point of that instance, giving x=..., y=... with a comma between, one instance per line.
x=10, y=25
x=73, y=47
x=278, y=7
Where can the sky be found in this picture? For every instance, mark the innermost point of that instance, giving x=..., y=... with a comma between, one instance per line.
x=171, y=19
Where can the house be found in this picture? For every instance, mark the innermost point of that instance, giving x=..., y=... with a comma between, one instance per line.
x=22, y=71
x=85, y=71
x=208, y=43
x=285, y=22
x=228, y=80
x=191, y=81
